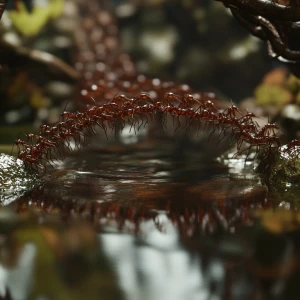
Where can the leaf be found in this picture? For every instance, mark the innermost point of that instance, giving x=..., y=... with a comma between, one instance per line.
x=30, y=24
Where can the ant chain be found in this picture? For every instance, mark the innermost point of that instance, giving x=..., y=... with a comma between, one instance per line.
x=112, y=94
x=54, y=141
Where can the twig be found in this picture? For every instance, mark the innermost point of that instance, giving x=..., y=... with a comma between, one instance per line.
x=38, y=56
x=2, y=7
x=274, y=23
x=266, y=8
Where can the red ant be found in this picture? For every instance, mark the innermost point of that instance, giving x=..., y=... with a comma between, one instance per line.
x=172, y=99
x=76, y=125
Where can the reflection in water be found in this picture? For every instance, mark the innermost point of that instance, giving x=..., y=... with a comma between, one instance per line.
x=17, y=282
x=3, y=281
x=157, y=265
x=121, y=189
x=168, y=227
x=157, y=268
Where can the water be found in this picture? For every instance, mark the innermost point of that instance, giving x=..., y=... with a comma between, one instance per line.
x=142, y=222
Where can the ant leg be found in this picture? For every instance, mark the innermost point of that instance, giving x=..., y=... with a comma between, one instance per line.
x=178, y=124
x=212, y=132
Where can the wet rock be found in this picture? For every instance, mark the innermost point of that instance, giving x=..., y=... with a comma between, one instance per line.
x=285, y=166
x=14, y=178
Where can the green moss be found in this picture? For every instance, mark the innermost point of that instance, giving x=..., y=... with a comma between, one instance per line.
x=266, y=94
x=285, y=169
x=293, y=84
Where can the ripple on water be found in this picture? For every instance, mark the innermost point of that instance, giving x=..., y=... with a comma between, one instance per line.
x=121, y=187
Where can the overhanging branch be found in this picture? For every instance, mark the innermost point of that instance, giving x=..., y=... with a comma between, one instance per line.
x=267, y=8
x=277, y=24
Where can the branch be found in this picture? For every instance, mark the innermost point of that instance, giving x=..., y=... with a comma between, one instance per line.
x=277, y=24
x=249, y=23
x=11, y=53
x=276, y=42
x=267, y=8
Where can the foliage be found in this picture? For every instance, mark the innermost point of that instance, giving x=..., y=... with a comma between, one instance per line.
x=31, y=23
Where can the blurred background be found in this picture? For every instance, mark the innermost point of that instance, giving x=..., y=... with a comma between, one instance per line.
x=193, y=42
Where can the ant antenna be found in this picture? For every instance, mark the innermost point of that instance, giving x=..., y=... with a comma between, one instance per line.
x=66, y=105
x=89, y=105
x=94, y=100
x=12, y=148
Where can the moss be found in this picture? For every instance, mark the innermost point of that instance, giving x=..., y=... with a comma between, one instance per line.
x=293, y=84
x=285, y=168
x=266, y=94
x=279, y=221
